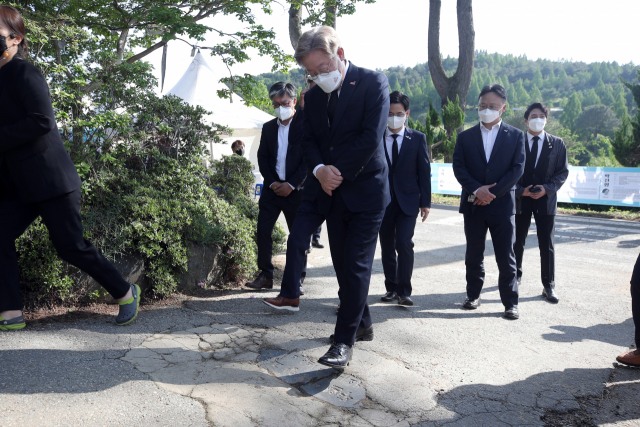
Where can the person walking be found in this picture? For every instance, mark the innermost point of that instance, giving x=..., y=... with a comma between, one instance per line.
x=38, y=179
x=546, y=169
x=632, y=357
x=345, y=118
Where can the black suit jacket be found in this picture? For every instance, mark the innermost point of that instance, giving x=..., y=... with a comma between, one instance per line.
x=353, y=143
x=505, y=167
x=412, y=173
x=552, y=171
x=296, y=169
x=33, y=159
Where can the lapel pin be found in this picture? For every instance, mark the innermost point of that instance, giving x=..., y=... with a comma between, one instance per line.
x=504, y=130
x=353, y=83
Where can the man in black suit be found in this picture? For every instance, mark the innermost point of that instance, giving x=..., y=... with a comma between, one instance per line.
x=546, y=169
x=410, y=187
x=284, y=172
x=488, y=161
x=345, y=118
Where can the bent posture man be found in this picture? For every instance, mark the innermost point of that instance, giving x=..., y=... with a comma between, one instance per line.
x=345, y=117
x=488, y=161
x=284, y=171
x=546, y=169
x=410, y=187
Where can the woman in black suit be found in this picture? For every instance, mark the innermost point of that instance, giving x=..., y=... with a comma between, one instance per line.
x=38, y=179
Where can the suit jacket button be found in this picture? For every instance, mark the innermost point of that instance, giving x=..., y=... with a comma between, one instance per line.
x=330, y=148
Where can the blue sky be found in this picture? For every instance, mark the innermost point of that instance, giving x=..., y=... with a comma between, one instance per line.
x=394, y=32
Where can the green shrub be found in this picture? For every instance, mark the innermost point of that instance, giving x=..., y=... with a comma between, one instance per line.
x=149, y=193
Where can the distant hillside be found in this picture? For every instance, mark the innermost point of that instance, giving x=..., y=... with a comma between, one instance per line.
x=526, y=81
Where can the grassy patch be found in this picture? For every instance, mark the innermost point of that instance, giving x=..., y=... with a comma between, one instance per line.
x=598, y=211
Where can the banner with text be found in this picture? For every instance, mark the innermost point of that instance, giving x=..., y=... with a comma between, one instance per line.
x=597, y=186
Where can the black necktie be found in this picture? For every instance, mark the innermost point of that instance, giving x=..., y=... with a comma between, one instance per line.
x=394, y=149
x=534, y=150
x=333, y=104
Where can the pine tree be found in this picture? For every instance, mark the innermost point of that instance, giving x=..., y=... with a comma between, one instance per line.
x=535, y=95
x=591, y=98
x=474, y=92
x=607, y=97
x=512, y=95
x=537, y=80
x=562, y=79
x=571, y=112
x=620, y=106
x=600, y=88
x=406, y=89
x=523, y=96
x=397, y=87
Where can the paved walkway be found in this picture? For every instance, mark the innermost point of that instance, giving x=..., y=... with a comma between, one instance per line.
x=232, y=361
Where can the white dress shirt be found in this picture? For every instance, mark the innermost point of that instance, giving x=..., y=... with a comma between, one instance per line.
x=540, y=142
x=389, y=142
x=489, y=136
x=489, y=139
x=346, y=69
x=283, y=146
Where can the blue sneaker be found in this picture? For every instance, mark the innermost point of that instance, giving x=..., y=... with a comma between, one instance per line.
x=129, y=308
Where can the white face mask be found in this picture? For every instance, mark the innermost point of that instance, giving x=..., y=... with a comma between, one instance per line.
x=283, y=113
x=488, y=115
x=330, y=81
x=537, y=125
x=395, y=122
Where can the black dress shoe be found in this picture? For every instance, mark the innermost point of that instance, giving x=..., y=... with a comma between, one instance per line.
x=362, y=334
x=337, y=357
x=471, y=304
x=550, y=295
x=261, y=282
x=317, y=244
x=512, y=313
x=405, y=301
x=389, y=296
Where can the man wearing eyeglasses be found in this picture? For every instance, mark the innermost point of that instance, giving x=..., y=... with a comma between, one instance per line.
x=284, y=172
x=410, y=187
x=345, y=118
x=488, y=162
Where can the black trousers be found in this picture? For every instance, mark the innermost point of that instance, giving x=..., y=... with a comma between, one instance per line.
x=545, y=228
x=352, y=240
x=396, y=233
x=502, y=229
x=61, y=216
x=316, y=235
x=635, y=298
x=270, y=209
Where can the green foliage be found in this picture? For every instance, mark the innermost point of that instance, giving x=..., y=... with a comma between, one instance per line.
x=597, y=119
x=626, y=143
x=571, y=112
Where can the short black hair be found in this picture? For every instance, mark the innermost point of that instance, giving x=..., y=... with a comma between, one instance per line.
x=496, y=88
x=535, y=105
x=282, y=89
x=398, y=97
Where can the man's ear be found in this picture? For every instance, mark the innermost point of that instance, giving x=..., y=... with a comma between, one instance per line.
x=341, y=53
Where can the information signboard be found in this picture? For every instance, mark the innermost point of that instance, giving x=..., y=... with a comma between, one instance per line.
x=589, y=185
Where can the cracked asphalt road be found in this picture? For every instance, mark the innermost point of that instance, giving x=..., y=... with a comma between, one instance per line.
x=431, y=365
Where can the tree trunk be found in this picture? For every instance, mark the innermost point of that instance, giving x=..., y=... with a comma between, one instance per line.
x=330, y=9
x=458, y=84
x=295, y=26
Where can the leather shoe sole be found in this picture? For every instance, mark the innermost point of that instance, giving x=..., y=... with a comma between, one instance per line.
x=283, y=307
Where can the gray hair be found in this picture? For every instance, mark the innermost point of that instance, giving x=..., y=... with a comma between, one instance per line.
x=282, y=89
x=324, y=38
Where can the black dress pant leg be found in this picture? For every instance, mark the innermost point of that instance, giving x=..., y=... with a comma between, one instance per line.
x=523, y=222
x=503, y=236
x=15, y=218
x=308, y=219
x=388, y=246
x=635, y=298
x=352, y=239
x=290, y=211
x=545, y=228
x=61, y=215
x=405, y=227
x=269, y=212
x=475, y=231
x=316, y=234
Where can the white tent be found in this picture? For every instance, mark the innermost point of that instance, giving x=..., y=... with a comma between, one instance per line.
x=199, y=86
